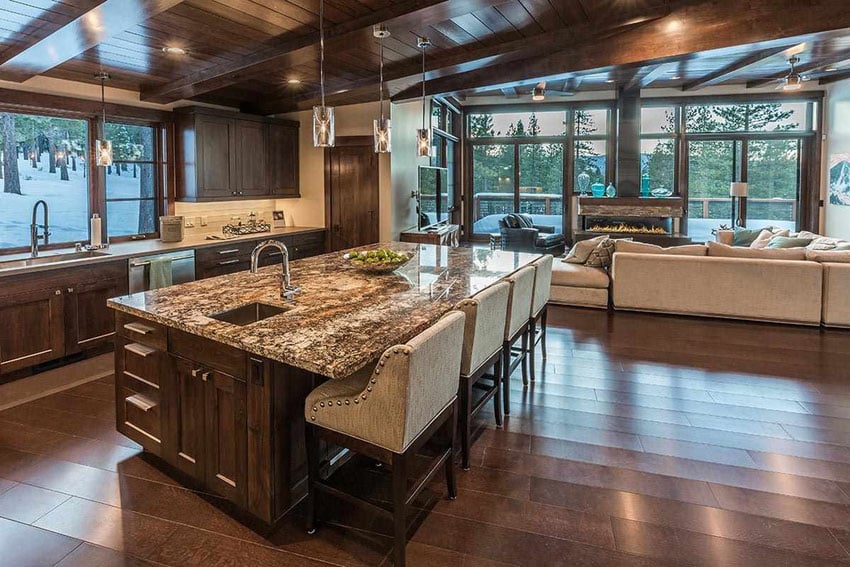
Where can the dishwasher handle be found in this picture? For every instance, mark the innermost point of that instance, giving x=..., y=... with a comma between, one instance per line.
x=144, y=263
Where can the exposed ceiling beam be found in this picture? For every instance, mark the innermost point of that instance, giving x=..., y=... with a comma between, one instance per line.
x=643, y=80
x=290, y=51
x=108, y=19
x=725, y=72
x=834, y=78
x=814, y=65
x=692, y=28
x=464, y=59
x=510, y=92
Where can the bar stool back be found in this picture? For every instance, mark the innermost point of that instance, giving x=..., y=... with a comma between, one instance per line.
x=516, y=328
x=539, y=308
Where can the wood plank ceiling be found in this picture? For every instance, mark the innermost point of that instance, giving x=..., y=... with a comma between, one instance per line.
x=262, y=55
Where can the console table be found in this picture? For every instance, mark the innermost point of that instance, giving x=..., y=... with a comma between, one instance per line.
x=446, y=235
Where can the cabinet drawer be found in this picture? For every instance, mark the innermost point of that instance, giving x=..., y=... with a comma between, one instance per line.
x=234, y=250
x=216, y=356
x=141, y=331
x=142, y=419
x=142, y=362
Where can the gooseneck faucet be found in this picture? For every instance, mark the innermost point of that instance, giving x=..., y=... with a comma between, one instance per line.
x=34, y=235
x=287, y=290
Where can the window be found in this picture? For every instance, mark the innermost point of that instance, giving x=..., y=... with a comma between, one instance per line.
x=444, y=148
x=43, y=158
x=658, y=144
x=131, y=195
x=517, y=124
x=590, y=128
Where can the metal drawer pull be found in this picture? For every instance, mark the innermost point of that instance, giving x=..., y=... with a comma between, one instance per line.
x=229, y=251
x=140, y=402
x=148, y=263
x=139, y=328
x=229, y=262
x=141, y=350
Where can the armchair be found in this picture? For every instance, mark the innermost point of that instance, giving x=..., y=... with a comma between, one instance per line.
x=520, y=234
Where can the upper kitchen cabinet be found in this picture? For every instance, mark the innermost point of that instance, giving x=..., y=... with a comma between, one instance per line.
x=227, y=155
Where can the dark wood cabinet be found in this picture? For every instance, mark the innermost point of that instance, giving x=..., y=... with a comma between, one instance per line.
x=283, y=160
x=185, y=398
x=89, y=323
x=228, y=155
x=33, y=329
x=236, y=256
x=226, y=440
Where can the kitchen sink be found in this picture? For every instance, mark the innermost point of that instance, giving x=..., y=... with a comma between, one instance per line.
x=50, y=259
x=249, y=313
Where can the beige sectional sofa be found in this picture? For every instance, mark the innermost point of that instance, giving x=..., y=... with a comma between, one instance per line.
x=836, y=295
x=574, y=284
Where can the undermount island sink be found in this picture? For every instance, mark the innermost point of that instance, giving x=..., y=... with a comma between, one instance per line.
x=50, y=259
x=249, y=313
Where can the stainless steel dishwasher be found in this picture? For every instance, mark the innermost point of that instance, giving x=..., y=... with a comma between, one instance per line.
x=182, y=269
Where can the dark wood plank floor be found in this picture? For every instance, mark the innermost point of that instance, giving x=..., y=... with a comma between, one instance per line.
x=647, y=440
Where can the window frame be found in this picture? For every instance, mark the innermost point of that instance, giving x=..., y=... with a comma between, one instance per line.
x=441, y=138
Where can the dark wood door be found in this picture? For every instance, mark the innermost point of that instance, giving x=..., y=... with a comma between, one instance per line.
x=32, y=329
x=283, y=160
x=216, y=157
x=226, y=437
x=251, y=152
x=185, y=396
x=89, y=322
x=351, y=193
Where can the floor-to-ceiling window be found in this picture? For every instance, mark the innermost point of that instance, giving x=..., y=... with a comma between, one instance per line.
x=517, y=161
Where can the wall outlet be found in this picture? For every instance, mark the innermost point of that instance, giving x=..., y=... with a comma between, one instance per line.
x=188, y=222
x=203, y=221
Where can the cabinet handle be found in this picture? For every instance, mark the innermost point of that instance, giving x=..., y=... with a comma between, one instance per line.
x=140, y=402
x=228, y=262
x=70, y=290
x=58, y=292
x=228, y=251
x=138, y=328
x=205, y=376
x=196, y=371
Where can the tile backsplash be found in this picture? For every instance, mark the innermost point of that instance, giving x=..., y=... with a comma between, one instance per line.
x=218, y=214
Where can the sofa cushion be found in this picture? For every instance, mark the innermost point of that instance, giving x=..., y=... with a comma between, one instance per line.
x=788, y=242
x=602, y=256
x=575, y=275
x=546, y=240
x=581, y=250
x=644, y=248
x=511, y=221
x=830, y=256
x=745, y=236
x=766, y=236
x=724, y=251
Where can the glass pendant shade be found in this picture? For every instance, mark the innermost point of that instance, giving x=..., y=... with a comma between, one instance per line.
x=383, y=131
x=423, y=142
x=323, y=127
x=104, y=153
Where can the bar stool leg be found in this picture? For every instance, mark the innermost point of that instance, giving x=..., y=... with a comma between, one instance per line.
x=544, y=325
x=465, y=413
x=532, y=346
x=506, y=376
x=451, y=483
x=399, y=509
x=497, y=397
x=524, y=361
x=312, y=476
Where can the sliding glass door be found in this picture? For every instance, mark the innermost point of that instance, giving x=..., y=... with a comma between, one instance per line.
x=773, y=174
x=712, y=166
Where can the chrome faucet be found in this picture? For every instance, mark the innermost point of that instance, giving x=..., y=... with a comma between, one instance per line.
x=287, y=290
x=34, y=235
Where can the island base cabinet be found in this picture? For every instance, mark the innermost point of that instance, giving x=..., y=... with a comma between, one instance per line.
x=226, y=437
x=184, y=396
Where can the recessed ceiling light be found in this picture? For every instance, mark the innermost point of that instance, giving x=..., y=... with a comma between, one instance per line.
x=831, y=69
x=609, y=80
x=171, y=50
x=293, y=81
x=675, y=77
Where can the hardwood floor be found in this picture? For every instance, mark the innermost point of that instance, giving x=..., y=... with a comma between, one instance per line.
x=646, y=440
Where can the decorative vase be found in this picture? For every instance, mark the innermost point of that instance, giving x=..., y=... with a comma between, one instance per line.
x=610, y=191
x=597, y=189
x=583, y=180
x=644, y=185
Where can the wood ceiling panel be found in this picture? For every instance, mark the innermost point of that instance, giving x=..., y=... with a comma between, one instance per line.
x=543, y=13
x=497, y=23
x=519, y=17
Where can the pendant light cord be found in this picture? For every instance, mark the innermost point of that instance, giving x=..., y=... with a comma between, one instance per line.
x=423, y=84
x=382, y=81
x=103, y=102
x=322, y=49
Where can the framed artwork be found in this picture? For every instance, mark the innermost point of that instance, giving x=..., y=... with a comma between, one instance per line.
x=839, y=179
x=278, y=219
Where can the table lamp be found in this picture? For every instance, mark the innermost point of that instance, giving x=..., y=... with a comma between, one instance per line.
x=738, y=191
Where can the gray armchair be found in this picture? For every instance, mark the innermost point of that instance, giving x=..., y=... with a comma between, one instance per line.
x=520, y=234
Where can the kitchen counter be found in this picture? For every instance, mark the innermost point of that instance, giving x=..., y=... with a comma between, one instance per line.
x=134, y=248
x=343, y=319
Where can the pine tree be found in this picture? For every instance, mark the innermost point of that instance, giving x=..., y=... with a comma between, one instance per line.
x=11, y=177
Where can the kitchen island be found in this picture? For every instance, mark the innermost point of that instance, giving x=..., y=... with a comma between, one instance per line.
x=211, y=376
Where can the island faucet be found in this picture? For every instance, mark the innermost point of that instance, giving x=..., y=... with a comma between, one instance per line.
x=34, y=235
x=287, y=290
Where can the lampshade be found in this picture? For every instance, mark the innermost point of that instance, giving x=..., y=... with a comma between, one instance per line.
x=738, y=189
x=324, y=135
x=423, y=142
x=103, y=156
x=382, y=131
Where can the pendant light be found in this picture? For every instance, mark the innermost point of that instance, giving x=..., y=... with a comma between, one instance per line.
x=423, y=135
x=323, y=116
x=103, y=147
x=382, y=128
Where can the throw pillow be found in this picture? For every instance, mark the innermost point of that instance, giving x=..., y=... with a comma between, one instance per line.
x=788, y=242
x=602, y=256
x=766, y=236
x=831, y=256
x=822, y=242
x=723, y=251
x=524, y=221
x=745, y=236
x=807, y=234
x=842, y=246
x=581, y=250
x=645, y=248
x=511, y=221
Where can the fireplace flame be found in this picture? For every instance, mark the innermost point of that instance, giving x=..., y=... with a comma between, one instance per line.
x=627, y=228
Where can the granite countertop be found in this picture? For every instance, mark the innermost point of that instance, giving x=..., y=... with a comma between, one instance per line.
x=134, y=248
x=344, y=318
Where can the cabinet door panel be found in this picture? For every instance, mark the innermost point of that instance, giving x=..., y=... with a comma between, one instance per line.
x=89, y=322
x=184, y=393
x=33, y=328
x=283, y=160
x=252, y=139
x=216, y=158
x=227, y=437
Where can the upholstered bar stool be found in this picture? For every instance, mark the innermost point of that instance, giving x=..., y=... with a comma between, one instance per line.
x=486, y=314
x=539, y=310
x=388, y=413
x=516, y=328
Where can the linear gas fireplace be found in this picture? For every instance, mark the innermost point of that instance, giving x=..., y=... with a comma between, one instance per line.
x=656, y=221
